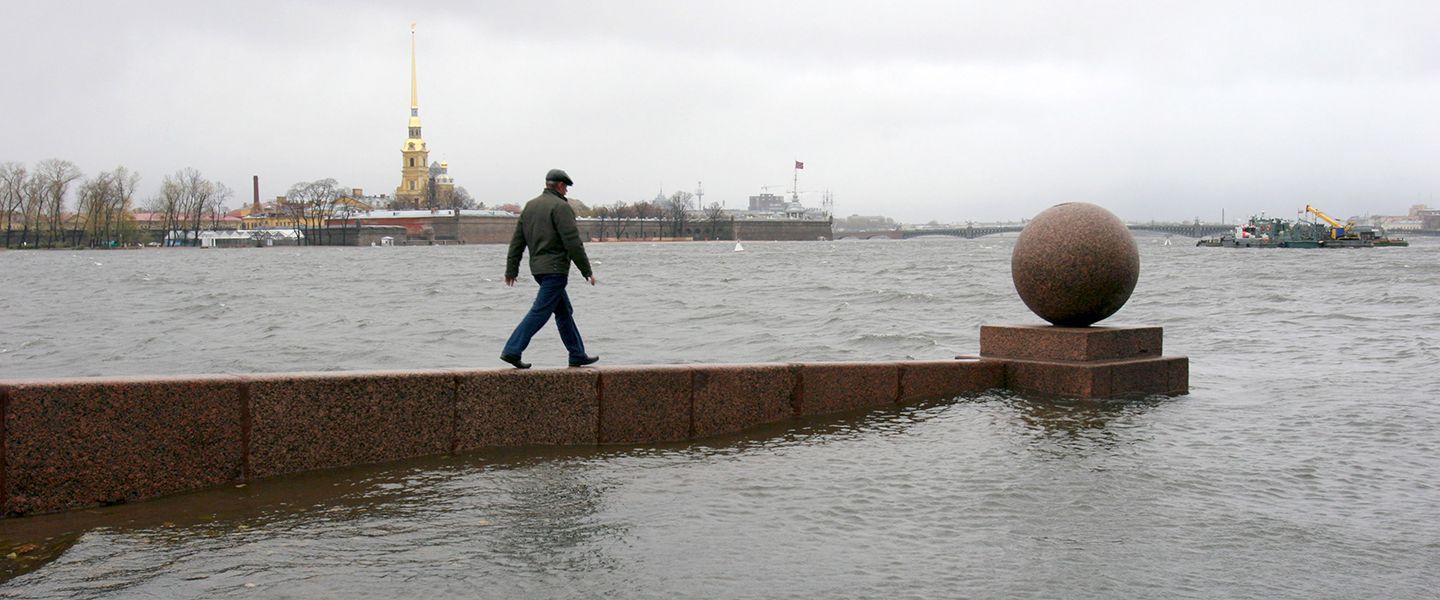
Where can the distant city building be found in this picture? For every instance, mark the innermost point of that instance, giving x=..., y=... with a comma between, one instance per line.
x=1414, y=219
x=767, y=202
x=769, y=206
x=1429, y=218
x=281, y=213
x=156, y=221
x=859, y=222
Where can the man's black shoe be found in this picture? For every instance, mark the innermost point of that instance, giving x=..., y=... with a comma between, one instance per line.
x=516, y=362
x=580, y=362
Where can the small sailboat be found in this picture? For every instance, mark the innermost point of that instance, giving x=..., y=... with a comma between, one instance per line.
x=738, y=247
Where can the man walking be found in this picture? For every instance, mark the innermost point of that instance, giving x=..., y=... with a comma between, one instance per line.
x=547, y=228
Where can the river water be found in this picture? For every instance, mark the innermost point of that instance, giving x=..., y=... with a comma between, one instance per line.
x=1303, y=464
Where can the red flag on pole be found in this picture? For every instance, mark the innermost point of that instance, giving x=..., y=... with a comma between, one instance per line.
x=799, y=165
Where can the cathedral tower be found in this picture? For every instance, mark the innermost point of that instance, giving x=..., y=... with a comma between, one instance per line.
x=415, y=165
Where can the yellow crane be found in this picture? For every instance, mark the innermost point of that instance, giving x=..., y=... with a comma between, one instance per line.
x=1339, y=229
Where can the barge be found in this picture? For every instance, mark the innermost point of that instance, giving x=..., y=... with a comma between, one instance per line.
x=1270, y=232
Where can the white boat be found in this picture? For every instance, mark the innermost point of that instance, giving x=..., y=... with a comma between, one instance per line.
x=738, y=247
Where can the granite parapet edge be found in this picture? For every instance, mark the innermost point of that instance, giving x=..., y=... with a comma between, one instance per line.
x=461, y=409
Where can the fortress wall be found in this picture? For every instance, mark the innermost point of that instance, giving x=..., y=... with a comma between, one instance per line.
x=628, y=229
x=469, y=229
x=478, y=230
x=803, y=231
x=73, y=443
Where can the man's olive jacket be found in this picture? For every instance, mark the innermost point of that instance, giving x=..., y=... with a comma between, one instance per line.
x=547, y=228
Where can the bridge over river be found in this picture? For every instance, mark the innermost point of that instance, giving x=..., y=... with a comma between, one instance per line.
x=1194, y=230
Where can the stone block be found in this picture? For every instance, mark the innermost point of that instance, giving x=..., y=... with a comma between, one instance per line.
x=1047, y=342
x=1069, y=379
x=1180, y=375
x=1100, y=379
x=1145, y=376
x=730, y=398
x=938, y=379
x=71, y=443
x=642, y=405
x=841, y=386
x=304, y=421
x=520, y=407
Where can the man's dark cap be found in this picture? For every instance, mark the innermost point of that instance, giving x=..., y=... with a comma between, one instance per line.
x=558, y=175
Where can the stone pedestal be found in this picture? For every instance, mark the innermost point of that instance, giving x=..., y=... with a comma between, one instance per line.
x=1085, y=362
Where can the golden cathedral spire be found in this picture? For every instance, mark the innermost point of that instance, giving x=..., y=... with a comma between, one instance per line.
x=414, y=93
x=414, y=98
x=415, y=170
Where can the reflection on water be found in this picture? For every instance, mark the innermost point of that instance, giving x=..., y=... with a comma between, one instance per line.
x=531, y=510
x=27, y=551
x=545, y=520
x=1065, y=426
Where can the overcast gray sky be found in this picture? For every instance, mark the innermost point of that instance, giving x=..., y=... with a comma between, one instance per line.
x=949, y=111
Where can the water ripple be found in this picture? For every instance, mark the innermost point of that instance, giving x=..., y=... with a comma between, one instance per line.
x=1302, y=464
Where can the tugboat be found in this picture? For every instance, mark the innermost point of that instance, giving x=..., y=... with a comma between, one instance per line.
x=1270, y=232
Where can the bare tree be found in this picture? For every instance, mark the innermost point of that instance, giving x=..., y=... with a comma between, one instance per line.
x=13, y=178
x=32, y=199
x=292, y=211
x=314, y=201
x=36, y=202
x=94, y=201
x=185, y=199
x=56, y=176
x=215, y=204
x=445, y=197
x=462, y=199
x=602, y=215
x=647, y=210
x=677, y=208
x=117, y=221
x=714, y=218
x=168, y=206
x=620, y=213
x=105, y=201
x=198, y=193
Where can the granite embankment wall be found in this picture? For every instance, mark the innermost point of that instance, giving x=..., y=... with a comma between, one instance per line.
x=71, y=443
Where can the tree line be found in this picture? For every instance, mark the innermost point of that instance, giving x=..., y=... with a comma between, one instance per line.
x=673, y=216
x=35, y=210
x=36, y=207
x=186, y=201
x=33, y=202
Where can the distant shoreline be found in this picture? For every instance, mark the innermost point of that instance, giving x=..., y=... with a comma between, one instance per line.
x=444, y=243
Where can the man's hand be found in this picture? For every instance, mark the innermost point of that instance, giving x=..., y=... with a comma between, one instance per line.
x=591, y=279
x=510, y=281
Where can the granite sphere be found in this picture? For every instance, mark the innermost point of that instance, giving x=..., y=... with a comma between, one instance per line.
x=1075, y=264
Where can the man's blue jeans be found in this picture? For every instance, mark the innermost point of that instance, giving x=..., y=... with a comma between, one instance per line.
x=551, y=299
